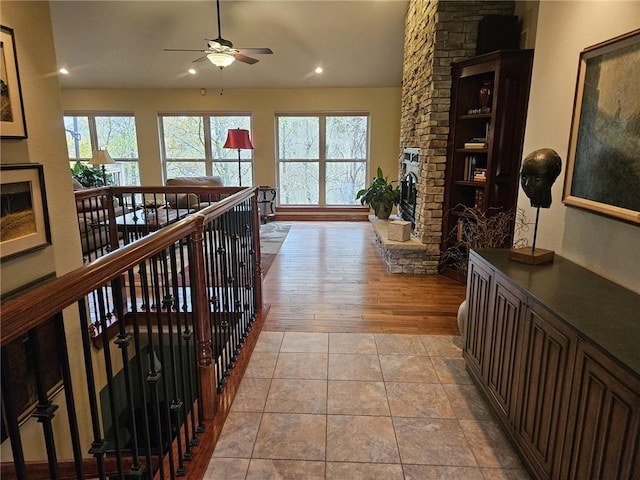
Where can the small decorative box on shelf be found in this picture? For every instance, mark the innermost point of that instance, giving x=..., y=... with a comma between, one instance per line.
x=399, y=231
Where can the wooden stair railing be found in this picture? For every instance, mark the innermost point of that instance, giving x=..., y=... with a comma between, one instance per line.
x=211, y=237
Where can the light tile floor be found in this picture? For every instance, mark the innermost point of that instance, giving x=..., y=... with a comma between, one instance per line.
x=357, y=407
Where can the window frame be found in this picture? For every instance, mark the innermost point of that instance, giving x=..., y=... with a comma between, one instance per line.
x=208, y=159
x=93, y=137
x=322, y=153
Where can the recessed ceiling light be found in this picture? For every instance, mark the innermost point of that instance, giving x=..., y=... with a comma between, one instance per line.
x=64, y=71
x=319, y=70
x=192, y=71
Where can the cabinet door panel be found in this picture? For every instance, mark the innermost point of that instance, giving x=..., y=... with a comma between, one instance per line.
x=502, y=364
x=544, y=385
x=478, y=291
x=602, y=440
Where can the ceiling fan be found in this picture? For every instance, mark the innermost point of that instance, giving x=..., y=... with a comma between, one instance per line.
x=222, y=53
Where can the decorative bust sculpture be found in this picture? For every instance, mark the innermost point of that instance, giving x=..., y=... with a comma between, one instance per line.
x=539, y=170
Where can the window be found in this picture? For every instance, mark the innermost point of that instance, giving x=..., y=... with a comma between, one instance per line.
x=114, y=133
x=193, y=145
x=322, y=159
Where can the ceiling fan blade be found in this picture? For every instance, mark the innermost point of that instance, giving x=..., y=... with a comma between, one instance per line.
x=244, y=59
x=254, y=51
x=182, y=50
x=200, y=59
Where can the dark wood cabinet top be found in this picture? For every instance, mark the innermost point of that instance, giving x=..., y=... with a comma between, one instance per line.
x=598, y=309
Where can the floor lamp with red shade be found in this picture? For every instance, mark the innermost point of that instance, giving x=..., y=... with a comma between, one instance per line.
x=238, y=138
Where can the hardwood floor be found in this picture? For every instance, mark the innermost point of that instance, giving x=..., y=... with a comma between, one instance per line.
x=329, y=277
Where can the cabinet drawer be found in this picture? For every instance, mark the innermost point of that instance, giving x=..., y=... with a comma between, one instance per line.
x=503, y=334
x=478, y=302
x=547, y=363
x=602, y=438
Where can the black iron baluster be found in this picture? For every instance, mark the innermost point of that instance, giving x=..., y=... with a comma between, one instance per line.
x=226, y=311
x=212, y=276
x=184, y=372
x=11, y=417
x=98, y=446
x=212, y=284
x=232, y=261
x=44, y=411
x=177, y=402
x=227, y=295
x=123, y=342
x=153, y=375
x=140, y=372
x=165, y=388
x=63, y=358
x=110, y=387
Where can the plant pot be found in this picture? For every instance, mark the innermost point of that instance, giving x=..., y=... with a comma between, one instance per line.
x=383, y=211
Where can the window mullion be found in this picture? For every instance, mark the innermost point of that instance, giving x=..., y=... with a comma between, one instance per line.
x=208, y=151
x=93, y=133
x=163, y=149
x=322, y=160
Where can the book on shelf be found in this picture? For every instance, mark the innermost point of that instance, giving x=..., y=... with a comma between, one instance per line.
x=472, y=172
x=469, y=164
x=479, y=175
x=479, y=200
x=477, y=142
x=476, y=111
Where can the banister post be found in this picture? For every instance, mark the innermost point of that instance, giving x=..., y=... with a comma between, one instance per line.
x=256, y=248
x=200, y=302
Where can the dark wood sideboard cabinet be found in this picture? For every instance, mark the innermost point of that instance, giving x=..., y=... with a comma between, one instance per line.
x=555, y=350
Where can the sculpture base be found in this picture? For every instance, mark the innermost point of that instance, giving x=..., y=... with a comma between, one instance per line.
x=524, y=255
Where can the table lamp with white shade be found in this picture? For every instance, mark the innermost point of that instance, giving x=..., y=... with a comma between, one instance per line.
x=102, y=158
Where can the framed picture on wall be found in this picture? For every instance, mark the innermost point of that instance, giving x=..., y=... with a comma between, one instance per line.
x=24, y=220
x=603, y=164
x=12, y=121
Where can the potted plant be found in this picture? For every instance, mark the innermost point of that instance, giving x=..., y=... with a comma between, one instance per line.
x=88, y=175
x=381, y=195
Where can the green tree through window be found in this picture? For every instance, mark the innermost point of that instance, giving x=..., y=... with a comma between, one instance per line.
x=193, y=145
x=322, y=159
x=114, y=133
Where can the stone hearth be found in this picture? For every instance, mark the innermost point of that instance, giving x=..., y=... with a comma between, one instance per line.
x=409, y=257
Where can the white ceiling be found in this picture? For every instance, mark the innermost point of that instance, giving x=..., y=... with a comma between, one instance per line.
x=119, y=44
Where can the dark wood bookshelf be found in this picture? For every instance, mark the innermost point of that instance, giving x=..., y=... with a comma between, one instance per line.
x=501, y=126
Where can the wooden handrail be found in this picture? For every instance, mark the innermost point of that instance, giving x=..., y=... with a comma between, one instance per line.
x=24, y=312
x=92, y=192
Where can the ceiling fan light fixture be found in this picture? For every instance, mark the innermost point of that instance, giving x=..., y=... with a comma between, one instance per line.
x=221, y=59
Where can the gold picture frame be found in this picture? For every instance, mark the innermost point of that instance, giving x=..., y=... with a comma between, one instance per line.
x=12, y=120
x=24, y=220
x=603, y=163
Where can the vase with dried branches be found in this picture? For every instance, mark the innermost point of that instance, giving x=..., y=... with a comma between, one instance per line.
x=476, y=229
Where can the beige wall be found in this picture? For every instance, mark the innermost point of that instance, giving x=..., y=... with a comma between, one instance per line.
x=383, y=105
x=45, y=145
x=563, y=30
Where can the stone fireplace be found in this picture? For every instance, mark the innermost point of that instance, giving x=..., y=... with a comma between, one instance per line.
x=437, y=33
x=409, y=186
